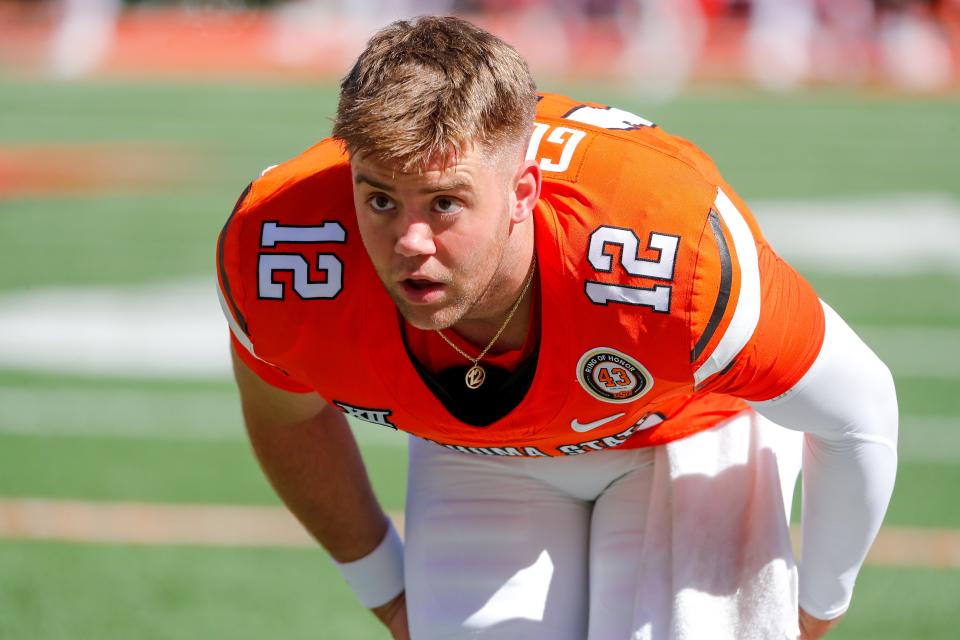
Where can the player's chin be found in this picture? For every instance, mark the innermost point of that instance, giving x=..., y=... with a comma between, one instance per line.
x=427, y=317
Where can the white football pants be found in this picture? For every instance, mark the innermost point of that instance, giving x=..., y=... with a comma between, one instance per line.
x=687, y=541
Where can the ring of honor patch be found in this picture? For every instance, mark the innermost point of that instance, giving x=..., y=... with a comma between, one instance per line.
x=612, y=376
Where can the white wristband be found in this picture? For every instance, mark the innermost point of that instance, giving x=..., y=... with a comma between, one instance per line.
x=377, y=578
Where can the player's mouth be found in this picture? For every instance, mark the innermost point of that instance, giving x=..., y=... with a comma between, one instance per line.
x=421, y=290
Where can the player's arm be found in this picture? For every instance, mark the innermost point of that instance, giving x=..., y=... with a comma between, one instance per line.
x=307, y=451
x=767, y=338
x=846, y=404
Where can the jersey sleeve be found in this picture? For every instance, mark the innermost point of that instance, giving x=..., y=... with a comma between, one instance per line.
x=230, y=290
x=756, y=324
x=265, y=371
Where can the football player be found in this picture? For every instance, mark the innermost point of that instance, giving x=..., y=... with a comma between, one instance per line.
x=591, y=344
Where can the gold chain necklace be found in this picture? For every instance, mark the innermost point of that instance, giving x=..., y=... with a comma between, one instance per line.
x=476, y=374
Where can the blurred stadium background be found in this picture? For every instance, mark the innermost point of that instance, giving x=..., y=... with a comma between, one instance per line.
x=130, y=506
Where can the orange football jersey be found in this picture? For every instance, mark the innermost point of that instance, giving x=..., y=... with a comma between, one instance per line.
x=661, y=306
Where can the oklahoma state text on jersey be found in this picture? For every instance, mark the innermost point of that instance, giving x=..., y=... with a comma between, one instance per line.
x=661, y=304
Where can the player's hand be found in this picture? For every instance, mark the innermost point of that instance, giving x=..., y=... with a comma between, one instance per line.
x=394, y=616
x=814, y=628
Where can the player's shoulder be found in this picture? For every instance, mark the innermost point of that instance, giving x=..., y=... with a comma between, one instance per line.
x=321, y=173
x=297, y=207
x=287, y=244
x=617, y=136
x=621, y=163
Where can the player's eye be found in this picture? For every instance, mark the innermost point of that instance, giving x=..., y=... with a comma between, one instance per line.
x=447, y=205
x=381, y=203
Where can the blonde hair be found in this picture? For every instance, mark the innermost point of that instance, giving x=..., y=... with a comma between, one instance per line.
x=425, y=91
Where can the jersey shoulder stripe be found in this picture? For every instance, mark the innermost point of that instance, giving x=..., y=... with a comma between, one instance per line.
x=723, y=295
x=236, y=320
x=746, y=314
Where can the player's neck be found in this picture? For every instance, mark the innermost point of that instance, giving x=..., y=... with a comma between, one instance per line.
x=481, y=331
x=482, y=328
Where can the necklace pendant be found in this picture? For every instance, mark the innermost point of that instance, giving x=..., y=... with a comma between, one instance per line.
x=475, y=376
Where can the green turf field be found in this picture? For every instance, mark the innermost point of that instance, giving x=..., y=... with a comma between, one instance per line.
x=118, y=437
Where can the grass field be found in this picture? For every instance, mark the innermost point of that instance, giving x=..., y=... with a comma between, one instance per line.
x=117, y=436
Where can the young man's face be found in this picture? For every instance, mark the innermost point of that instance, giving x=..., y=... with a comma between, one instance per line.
x=440, y=240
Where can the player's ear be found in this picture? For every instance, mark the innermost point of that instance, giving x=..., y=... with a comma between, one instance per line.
x=526, y=190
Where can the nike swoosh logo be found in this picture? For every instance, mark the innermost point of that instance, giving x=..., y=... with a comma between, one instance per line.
x=583, y=427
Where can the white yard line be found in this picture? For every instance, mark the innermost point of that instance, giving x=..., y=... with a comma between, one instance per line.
x=161, y=330
x=160, y=413
x=121, y=412
x=893, y=234
x=180, y=414
x=925, y=352
x=930, y=439
x=244, y=526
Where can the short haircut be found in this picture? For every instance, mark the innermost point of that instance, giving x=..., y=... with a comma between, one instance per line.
x=424, y=91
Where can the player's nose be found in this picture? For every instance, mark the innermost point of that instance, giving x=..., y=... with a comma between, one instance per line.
x=415, y=239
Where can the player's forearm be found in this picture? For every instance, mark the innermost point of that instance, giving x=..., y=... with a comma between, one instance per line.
x=316, y=469
x=307, y=450
x=846, y=489
x=847, y=405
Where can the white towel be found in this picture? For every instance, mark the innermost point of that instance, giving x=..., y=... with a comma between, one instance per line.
x=718, y=533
